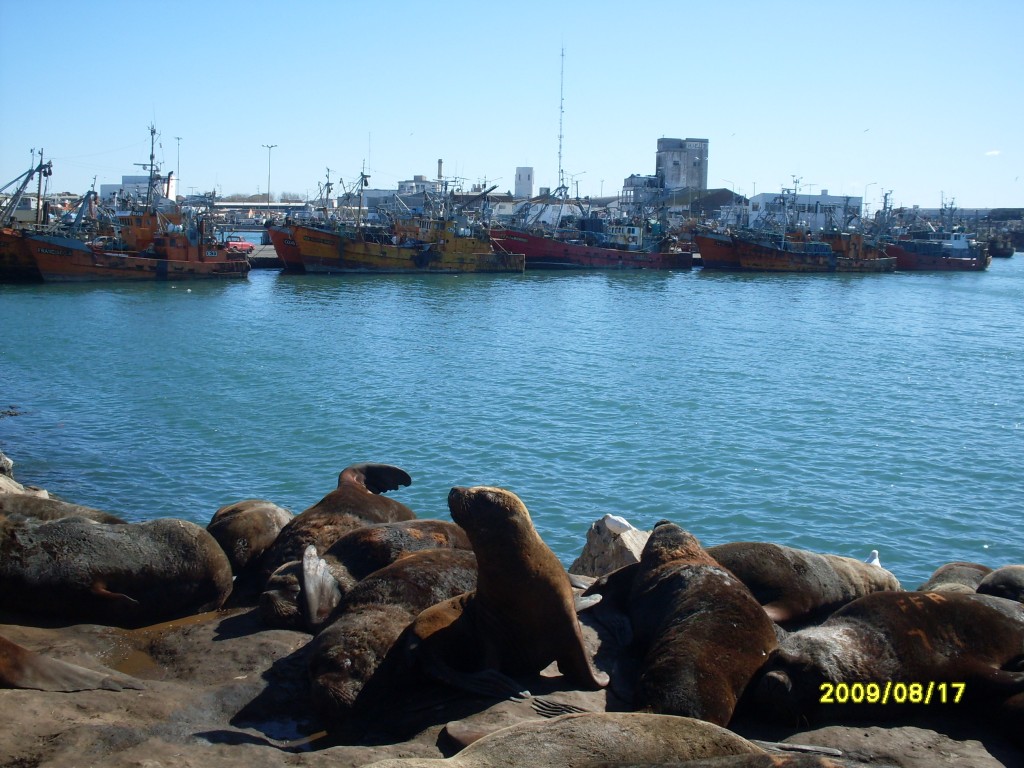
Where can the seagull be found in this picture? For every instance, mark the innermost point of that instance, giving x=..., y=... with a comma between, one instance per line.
x=872, y=559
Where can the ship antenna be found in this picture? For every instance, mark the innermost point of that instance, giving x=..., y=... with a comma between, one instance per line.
x=561, y=112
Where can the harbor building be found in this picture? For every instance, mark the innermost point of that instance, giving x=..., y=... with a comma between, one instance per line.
x=524, y=183
x=682, y=164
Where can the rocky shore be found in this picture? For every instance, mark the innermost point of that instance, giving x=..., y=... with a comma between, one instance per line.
x=221, y=688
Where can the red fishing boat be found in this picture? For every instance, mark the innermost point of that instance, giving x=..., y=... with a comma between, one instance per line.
x=622, y=249
x=16, y=262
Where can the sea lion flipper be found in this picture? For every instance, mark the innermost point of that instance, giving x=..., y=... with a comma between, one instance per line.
x=22, y=668
x=583, y=602
x=99, y=589
x=376, y=478
x=319, y=591
x=780, y=612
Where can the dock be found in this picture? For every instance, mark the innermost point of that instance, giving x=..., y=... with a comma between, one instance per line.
x=265, y=257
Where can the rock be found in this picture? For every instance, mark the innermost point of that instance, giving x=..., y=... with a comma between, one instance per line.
x=612, y=543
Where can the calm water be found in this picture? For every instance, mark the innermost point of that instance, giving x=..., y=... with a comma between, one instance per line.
x=829, y=412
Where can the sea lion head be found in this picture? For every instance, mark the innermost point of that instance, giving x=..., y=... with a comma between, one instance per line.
x=668, y=542
x=485, y=509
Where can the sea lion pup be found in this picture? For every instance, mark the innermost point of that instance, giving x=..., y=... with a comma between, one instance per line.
x=520, y=618
x=798, y=587
x=325, y=580
x=700, y=631
x=1006, y=582
x=22, y=668
x=357, y=501
x=40, y=508
x=374, y=613
x=956, y=577
x=128, y=574
x=887, y=638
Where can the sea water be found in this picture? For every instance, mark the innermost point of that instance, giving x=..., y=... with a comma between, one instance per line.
x=837, y=413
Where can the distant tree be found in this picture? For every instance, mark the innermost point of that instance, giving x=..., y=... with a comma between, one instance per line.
x=292, y=197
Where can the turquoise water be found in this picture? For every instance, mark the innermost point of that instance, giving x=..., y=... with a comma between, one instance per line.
x=839, y=413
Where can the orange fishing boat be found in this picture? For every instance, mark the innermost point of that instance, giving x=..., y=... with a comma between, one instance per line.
x=16, y=262
x=175, y=252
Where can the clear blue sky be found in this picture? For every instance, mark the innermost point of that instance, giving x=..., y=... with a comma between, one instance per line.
x=921, y=98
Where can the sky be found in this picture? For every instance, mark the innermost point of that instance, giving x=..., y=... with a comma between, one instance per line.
x=922, y=99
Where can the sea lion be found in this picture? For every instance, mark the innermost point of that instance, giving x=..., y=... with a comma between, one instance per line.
x=1006, y=582
x=357, y=501
x=521, y=616
x=374, y=613
x=121, y=574
x=245, y=530
x=956, y=577
x=357, y=554
x=701, y=633
x=577, y=740
x=40, y=508
x=796, y=586
x=279, y=601
x=931, y=639
x=22, y=668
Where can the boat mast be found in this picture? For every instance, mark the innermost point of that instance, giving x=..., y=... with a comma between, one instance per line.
x=39, y=192
x=561, y=112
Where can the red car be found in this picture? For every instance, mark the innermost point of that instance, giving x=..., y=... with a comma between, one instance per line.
x=237, y=243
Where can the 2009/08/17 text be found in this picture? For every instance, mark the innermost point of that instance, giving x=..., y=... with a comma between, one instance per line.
x=890, y=692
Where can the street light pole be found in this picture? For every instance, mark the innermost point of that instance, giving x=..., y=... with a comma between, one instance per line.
x=269, y=148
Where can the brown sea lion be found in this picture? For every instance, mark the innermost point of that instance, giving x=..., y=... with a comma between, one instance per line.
x=956, y=577
x=374, y=613
x=796, y=586
x=521, y=616
x=121, y=574
x=22, y=668
x=934, y=640
x=1006, y=582
x=246, y=529
x=578, y=740
x=357, y=501
x=40, y=508
x=357, y=554
x=700, y=630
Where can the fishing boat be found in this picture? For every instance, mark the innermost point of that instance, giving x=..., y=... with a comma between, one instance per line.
x=918, y=245
x=283, y=240
x=419, y=244
x=16, y=262
x=579, y=240
x=175, y=252
x=775, y=242
x=442, y=239
x=948, y=251
x=573, y=250
x=1001, y=246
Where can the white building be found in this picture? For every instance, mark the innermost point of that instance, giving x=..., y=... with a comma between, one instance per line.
x=524, y=183
x=137, y=187
x=418, y=185
x=814, y=212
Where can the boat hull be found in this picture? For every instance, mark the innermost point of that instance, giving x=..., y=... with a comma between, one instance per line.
x=923, y=258
x=63, y=259
x=286, y=249
x=16, y=262
x=733, y=252
x=370, y=257
x=549, y=253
